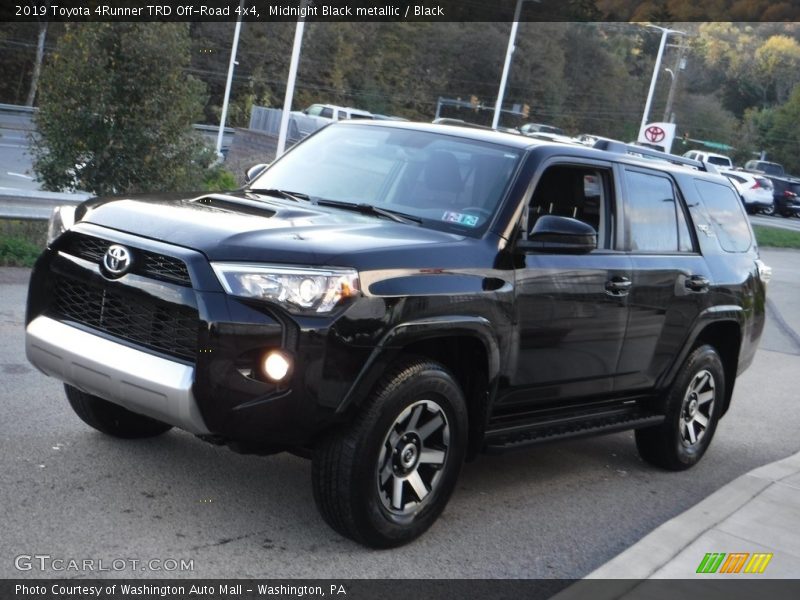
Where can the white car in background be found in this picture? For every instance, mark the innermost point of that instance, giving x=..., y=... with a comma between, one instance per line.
x=718, y=160
x=755, y=190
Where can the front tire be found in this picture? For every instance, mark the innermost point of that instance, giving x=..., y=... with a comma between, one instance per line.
x=386, y=477
x=693, y=407
x=111, y=418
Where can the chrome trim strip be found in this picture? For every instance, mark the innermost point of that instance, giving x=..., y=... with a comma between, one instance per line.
x=136, y=380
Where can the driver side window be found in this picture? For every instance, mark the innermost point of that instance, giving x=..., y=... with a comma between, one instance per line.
x=579, y=192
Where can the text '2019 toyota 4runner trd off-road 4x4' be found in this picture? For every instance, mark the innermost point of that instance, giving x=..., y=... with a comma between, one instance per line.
x=393, y=298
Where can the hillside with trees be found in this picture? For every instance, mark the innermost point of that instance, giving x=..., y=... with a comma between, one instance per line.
x=738, y=84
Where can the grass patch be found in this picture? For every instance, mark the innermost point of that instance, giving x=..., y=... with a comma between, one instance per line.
x=776, y=238
x=21, y=242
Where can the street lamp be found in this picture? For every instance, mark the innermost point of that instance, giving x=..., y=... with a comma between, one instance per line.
x=507, y=65
x=231, y=65
x=664, y=33
x=290, y=81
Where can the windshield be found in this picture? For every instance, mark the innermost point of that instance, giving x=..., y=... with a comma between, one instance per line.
x=449, y=182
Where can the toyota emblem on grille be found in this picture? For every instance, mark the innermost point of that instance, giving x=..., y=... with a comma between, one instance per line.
x=117, y=260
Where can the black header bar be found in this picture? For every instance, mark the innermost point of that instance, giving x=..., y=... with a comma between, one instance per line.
x=391, y=10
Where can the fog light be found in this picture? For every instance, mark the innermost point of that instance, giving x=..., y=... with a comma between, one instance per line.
x=276, y=366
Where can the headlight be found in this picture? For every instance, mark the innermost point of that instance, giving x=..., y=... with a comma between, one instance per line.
x=299, y=289
x=61, y=219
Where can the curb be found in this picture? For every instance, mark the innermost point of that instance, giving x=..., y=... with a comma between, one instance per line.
x=664, y=543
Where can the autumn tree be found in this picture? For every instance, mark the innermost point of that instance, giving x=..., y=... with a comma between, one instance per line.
x=116, y=109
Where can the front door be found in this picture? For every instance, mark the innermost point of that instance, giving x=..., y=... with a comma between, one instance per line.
x=571, y=310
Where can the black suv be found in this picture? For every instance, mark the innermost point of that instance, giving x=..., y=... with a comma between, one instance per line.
x=393, y=298
x=786, y=195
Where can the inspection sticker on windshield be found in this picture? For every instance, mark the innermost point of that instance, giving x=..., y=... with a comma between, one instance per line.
x=461, y=219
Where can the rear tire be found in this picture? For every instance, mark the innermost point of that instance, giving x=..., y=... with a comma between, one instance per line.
x=768, y=210
x=383, y=479
x=111, y=418
x=693, y=407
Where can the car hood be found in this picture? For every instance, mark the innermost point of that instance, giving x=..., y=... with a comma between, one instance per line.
x=248, y=227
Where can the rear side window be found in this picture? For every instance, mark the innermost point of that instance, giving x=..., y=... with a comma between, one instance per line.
x=655, y=220
x=727, y=216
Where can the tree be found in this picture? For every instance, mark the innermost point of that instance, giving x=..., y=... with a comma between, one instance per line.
x=777, y=63
x=775, y=130
x=116, y=109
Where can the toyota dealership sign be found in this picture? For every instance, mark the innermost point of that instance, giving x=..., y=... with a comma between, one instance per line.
x=658, y=134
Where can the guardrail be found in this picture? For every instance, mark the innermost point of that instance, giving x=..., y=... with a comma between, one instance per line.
x=17, y=108
x=17, y=117
x=34, y=205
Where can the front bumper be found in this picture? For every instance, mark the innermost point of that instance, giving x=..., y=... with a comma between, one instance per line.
x=188, y=354
x=139, y=381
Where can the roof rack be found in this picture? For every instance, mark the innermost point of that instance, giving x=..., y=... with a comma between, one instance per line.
x=622, y=148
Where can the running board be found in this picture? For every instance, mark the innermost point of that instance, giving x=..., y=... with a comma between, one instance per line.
x=568, y=426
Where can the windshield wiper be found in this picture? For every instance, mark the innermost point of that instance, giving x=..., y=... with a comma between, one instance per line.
x=296, y=196
x=369, y=209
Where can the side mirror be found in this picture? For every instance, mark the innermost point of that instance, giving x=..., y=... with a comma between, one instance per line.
x=254, y=172
x=560, y=235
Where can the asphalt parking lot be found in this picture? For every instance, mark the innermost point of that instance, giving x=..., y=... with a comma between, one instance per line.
x=555, y=511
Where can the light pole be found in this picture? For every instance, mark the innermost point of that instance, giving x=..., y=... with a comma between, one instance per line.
x=507, y=65
x=680, y=64
x=287, y=101
x=231, y=65
x=656, y=69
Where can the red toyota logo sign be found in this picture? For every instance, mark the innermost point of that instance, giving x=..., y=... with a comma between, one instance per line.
x=654, y=134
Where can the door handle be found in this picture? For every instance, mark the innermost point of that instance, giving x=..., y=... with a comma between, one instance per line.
x=697, y=283
x=618, y=286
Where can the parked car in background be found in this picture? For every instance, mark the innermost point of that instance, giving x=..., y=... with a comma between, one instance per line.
x=763, y=166
x=336, y=113
x=755, y=190
x=529, y=128
x=378, y=117
x=709, y=157
x=786, y=196
x=553, y=137
x=317, y=116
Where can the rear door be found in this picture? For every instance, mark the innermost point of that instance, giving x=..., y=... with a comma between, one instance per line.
x=670, y=278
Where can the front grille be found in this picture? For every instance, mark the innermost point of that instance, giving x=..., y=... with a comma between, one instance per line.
x=168, y=328
x=145, y=263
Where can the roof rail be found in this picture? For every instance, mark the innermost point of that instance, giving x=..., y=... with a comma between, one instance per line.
x=622, y=148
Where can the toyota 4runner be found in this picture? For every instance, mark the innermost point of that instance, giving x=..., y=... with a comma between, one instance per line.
x=393, y=298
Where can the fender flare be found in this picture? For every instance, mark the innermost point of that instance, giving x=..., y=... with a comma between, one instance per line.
x=715, y=314
x=403, y=334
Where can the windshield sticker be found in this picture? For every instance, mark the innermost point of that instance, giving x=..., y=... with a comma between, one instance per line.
x=461, y=219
